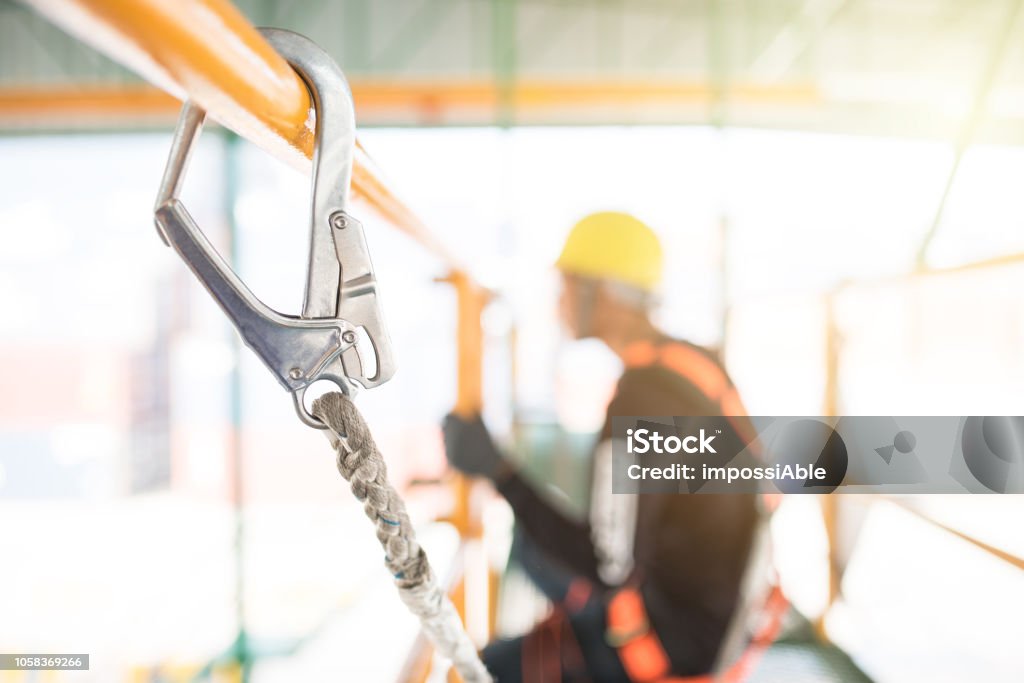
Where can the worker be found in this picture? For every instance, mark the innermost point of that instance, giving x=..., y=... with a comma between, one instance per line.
x=656, y=576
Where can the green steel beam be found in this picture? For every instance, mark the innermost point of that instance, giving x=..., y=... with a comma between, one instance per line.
x=503, y=32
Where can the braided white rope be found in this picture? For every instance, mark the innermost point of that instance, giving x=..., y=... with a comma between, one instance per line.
x=362, y=465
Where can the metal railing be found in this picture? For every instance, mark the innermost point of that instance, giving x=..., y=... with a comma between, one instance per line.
x=208, y=52
x=831, y=406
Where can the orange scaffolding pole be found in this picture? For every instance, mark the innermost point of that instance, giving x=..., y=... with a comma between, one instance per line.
x=427, y=101
x=207, y=51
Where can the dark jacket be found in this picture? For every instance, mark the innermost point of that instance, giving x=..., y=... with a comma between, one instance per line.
x=689, y=551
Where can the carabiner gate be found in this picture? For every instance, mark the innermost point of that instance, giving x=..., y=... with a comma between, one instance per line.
x=340, y=335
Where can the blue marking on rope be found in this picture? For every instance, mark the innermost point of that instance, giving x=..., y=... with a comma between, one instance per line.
x=388, y=521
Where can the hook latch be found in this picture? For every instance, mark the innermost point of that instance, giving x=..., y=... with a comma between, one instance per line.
x=340, y=335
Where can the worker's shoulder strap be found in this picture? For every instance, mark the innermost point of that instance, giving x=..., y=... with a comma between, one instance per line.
x=691, y=364
x=696, y=367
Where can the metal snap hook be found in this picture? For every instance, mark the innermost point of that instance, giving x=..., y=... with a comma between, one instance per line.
x=340, y=295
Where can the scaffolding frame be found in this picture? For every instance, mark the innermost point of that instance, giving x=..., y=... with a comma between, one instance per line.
x=208, y=52
x=831, y=405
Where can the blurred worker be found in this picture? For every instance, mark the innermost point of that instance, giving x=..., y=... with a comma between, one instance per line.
x=657, y=575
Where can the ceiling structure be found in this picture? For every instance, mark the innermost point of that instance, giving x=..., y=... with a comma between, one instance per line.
x=928, y=68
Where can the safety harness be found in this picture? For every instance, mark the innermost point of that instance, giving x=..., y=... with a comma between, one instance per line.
x=629, y=631
x=640, y=650
x=644, y=658
x=698, y=369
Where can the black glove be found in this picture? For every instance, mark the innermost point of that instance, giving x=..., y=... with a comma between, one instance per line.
x=470, y=449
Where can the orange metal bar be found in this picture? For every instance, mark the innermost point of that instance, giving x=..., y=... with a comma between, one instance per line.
x=206, y=50
x=830, y=511
x=471, y=299
x=68, y=105
x=427, y=101
x=564, y=93
x=1003, y=555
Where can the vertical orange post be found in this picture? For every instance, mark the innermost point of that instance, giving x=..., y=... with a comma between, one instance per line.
x=208, y=52
x=471, y=299
x=470, y=302
x=830, y=502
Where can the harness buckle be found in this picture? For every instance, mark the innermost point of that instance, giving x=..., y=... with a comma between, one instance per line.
x=340, y=335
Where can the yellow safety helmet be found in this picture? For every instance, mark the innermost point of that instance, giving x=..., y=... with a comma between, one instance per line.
x=613, y=246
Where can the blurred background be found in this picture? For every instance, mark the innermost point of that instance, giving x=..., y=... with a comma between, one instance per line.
x=837, y=183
